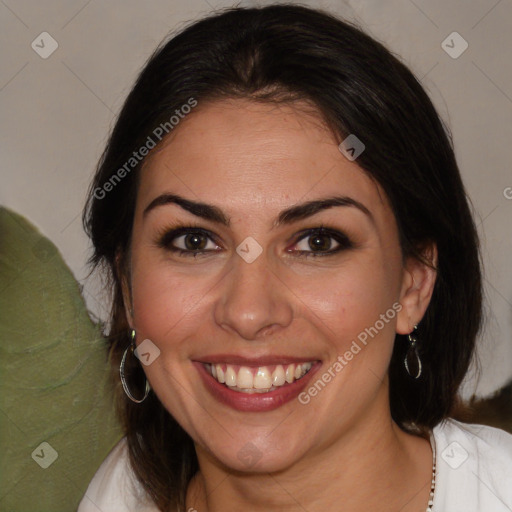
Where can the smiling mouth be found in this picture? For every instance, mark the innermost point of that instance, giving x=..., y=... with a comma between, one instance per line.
x=260, y=379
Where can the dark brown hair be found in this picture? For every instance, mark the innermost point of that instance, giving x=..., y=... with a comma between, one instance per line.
x=286, y=53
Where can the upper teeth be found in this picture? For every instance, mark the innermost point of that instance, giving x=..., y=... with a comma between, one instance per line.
x=261, y=379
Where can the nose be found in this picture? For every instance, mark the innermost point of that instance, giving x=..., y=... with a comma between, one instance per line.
x=254, y=301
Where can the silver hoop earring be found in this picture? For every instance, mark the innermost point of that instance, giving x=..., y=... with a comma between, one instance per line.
x=121, y=373
x=412, y=359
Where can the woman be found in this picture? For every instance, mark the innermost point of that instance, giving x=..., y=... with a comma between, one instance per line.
x=293, y=257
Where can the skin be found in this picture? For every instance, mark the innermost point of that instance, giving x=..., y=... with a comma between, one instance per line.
x=342, y=449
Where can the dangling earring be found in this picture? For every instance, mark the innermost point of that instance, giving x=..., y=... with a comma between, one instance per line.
x=121, y=372
x=412, y=359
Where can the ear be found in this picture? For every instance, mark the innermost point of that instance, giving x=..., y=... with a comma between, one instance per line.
x=418, y=280
x=123, y=274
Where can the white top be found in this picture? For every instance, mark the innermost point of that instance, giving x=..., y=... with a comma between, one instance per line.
x=473, y=474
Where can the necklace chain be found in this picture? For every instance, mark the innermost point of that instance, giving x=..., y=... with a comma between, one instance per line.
x=433, y=483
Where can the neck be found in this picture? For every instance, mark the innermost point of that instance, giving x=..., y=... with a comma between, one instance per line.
x=373, y=465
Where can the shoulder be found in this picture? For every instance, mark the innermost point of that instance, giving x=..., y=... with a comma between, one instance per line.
x=474, y=467
x=114, y=486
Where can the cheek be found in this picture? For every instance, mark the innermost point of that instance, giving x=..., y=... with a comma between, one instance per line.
x=351, y=299
x=166, y=304
x=169, y=310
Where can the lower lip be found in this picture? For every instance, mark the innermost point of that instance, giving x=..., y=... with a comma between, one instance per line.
x=254, y=402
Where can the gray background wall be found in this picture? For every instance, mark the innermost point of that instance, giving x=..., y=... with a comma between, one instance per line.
x=57, y=111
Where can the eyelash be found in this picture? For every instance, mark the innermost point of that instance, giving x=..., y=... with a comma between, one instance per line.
x=167, y=236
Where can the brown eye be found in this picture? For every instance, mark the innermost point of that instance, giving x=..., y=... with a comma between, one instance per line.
x=188, y=241
x=194, y=241
x=320, y=242
x=323, y=242
x=316, y=243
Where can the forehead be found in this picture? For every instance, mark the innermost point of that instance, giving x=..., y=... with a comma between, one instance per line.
x=239, y=154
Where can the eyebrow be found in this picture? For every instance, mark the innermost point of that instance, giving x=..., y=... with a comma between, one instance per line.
x=294, y=213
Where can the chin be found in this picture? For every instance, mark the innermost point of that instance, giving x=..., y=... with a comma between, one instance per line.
x=247, y=455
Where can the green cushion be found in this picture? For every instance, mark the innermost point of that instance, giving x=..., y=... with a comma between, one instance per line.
x=53, y=377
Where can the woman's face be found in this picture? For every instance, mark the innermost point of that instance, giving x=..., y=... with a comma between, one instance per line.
x=264, y=294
